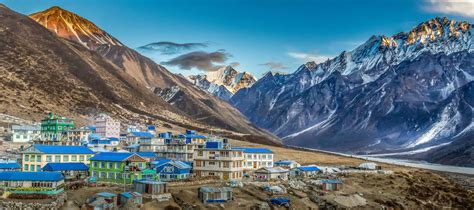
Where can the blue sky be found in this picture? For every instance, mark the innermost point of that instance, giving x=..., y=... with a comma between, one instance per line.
x=285, y=33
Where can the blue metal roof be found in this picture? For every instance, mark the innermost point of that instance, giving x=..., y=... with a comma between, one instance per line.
x=159, y=162
x=126, y=194
x=96, y=141
x=59, y=149
x=308, y=168
x=145, y=181
x=254, y=150
x=9, y=166
x=113, y=139
x=65, y=167
x=106, y=194
x=143, y=134
x=111, y=156
x=146, y=154
x=94, y=136
x=30, y=176
x=284, y=162
x=331, y=181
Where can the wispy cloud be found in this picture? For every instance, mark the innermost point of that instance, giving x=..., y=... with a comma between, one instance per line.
x=201, y=60
x=235, y=64
x=171, y=48
x=272, y=65
x=454, y=7
x=307, y=57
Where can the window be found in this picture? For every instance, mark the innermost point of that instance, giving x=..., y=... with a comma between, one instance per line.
x=212, y=163
x=38, y=158
x=38, y=167
x=74, y=158
x=27, y=158
x=111, y=175
x=102, y=165
x=117, y=165
x=25, y=167
x=81, y=158
x=49, y=158
x=57, y=158
x=102, y=175
x=94, y=164
x=32, y=167
x=94, y=173
x=66, y=158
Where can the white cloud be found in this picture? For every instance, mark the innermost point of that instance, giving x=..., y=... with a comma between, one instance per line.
x=307, y=57
x=455, y=7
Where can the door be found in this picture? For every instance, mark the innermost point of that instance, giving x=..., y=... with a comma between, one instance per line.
x=255, y=164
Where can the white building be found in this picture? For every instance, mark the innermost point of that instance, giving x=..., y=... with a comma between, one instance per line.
x=155, y=144
x=216, y=159
x=25, y=133
x=269, y=173
x=106, y=126
x=288, y=164
x=255, y=158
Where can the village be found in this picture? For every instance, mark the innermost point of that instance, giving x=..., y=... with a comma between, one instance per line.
x=107, y=165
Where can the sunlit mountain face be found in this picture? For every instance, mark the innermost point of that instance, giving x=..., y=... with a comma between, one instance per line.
x=224, y=82
x=71, y=26
x=392, y=93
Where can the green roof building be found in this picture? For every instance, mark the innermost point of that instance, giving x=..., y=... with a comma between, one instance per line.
x=53, y=126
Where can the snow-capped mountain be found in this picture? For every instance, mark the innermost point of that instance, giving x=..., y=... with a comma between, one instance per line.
x=224, y=82
x=390, y=93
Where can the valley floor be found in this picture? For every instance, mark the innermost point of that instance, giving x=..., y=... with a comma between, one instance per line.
x=404, y=188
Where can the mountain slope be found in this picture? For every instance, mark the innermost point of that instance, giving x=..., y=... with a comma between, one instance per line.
x=385, y=95
x=224, y=82
x=113, y=88
x=41, y=72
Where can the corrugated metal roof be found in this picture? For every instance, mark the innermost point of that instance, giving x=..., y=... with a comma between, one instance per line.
x=111, y=156
x=254, y=150
x=308, y=168
x=9, y=166
x=26, y=127
x=30, y=176
x=143, y=134
x=113, y=139
x=274, y=169
x=65, y=167
x=331, y=181
x=215, y=189
x=126, y=194
x=159, y=162
x=285, y=162
x=106, y=194
x=177, y=163
x=144, y=181
x=59, y=149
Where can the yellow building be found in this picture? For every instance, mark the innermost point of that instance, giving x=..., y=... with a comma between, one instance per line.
x=37, y=156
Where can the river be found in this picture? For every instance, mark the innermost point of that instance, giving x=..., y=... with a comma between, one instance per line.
x=402, y=162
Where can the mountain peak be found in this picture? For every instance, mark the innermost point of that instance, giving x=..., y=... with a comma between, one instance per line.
x=71, y=26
